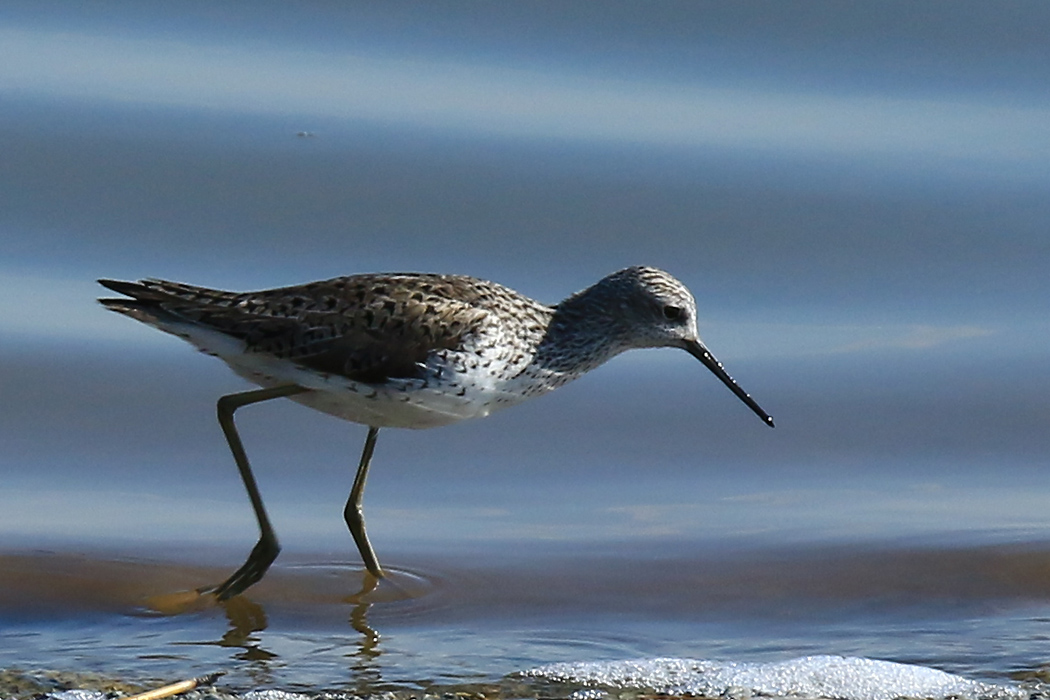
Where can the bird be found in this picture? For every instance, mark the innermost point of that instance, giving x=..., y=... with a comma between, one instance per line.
x=408, y=350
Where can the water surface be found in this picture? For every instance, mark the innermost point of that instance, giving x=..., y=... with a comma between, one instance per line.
x=856, y=195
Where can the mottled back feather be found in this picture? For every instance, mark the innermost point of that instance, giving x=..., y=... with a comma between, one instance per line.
x=368, y=328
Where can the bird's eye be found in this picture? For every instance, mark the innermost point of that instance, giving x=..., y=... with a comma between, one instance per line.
x=672, y=313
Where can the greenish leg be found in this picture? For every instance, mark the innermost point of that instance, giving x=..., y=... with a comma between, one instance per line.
x=353, y=515
x=266, y=550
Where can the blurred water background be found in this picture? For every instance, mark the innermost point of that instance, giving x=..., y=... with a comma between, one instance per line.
x=857, y=194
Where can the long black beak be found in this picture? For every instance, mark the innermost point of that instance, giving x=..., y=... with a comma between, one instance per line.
x=697, y=350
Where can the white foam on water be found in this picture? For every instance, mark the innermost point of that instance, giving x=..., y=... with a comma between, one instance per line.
x=273, y=695
x=76, y=694
x=837, y=677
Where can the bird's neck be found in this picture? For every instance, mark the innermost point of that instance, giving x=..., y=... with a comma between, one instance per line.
x=582, y=335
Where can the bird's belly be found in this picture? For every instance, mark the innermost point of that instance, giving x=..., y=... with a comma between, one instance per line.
x=397, y=403
x=383, y=408
x=457, y=395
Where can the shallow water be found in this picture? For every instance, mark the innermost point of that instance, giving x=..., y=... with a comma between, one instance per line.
x=855, y=193
x=976, y=611
x=965, y=610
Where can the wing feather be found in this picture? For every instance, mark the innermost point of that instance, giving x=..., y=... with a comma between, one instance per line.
x=369, y=328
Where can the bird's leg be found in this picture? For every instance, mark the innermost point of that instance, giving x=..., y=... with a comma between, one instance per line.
x=355, y=519
x=266, y=549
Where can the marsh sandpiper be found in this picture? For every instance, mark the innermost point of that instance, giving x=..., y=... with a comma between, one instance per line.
x=409, y=351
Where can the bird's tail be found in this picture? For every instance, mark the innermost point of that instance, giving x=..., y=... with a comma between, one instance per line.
x=159, y=302
x=143, y=305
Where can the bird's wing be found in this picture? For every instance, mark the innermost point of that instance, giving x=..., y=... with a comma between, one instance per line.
x=369, y=328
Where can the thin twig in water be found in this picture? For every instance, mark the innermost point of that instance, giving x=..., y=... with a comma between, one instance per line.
x=177, y=688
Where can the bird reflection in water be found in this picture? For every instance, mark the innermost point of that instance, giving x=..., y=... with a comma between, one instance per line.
x=247, y=617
